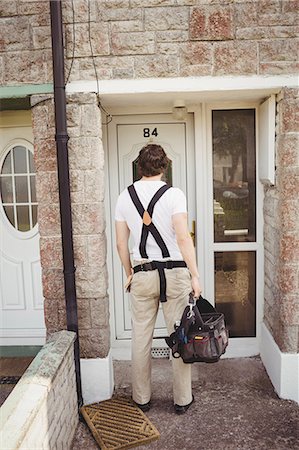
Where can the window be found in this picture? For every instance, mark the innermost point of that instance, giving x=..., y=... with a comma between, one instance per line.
x=17, y=188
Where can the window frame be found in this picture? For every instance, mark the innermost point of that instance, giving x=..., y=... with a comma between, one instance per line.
x=12, y=229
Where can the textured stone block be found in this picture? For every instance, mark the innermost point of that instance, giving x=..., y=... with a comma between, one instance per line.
x=8, y=9
x=288, y=213
x=235, y=58
x=289, y=248
x=246, y=14
x=158, y=66
x=41, y=37
x=195, y=54
x=288, y=183
x=113, y=14
x=289, y=116
x=91, y=282
x=290, y=6
x=172, y=36
x=287, y=152
x=278, y=68
x=147, y=3
x=288, y=279
x=51, y=252
x=10, y=40
x=51, y=313
x=171, y=18
x=47, y=187
x=94, y=182
x=77, y=186
x=86, y=153
x=278, y=19
x=286, y=337
x=88, y=218
x=94, y=343
x=133, y=43
x=278, y=50
x=99, y=39
x=96, y=250
x=45, y=155
x=266, y=32
x=26, y=67
x=53, y=283
x=126, y=26
x=212, y=23
x=289, y=309
x=269, y=6
x=99, y=308
x=90, y=120
x=84, y=314
x=49, y=220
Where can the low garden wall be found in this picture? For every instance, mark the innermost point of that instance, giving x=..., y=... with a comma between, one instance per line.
x=42, y=412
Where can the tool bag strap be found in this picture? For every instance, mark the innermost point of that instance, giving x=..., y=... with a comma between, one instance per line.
x=146, y=215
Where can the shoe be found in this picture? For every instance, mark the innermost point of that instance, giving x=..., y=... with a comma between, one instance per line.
x=182, y=409
x=144, y=407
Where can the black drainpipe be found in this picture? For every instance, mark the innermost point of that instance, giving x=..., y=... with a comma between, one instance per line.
x=61, y=138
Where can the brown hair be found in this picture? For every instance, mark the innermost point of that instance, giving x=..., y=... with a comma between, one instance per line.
x=152, y=160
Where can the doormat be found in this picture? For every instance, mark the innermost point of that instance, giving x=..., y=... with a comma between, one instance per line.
x=119, y=424
x=9, y=379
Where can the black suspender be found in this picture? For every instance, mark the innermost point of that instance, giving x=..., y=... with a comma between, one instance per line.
x=146, y=215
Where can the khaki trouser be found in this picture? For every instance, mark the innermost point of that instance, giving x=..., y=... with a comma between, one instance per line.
x=145, y=289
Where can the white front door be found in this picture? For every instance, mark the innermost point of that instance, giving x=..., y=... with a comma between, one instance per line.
x=22, y=315
x=218, y=176
x=127, y=135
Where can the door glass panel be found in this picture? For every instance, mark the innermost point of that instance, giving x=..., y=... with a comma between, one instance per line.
x=167, y=177
x=23, y=218
x=6, y=168
x=34, y=215
x=235, y=293
x=31, y=162
x=20, y=165
x=15, y=188
x=21, y=189
x=10, y=214
x=32, y=187
x=6, y=189
x=234, y=175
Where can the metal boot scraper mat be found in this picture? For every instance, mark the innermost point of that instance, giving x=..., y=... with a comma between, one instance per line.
x=119, y=424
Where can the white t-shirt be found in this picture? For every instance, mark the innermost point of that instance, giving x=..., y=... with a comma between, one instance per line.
x=173, y=201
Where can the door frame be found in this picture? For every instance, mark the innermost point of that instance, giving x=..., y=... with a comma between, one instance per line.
x=239, y=347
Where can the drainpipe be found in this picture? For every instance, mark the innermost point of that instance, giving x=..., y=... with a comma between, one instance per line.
x=61, y=138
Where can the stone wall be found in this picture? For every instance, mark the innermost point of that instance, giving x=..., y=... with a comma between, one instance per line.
x=42, y=410
x=281, y=230
x=150, y=38
x=25, y=42
x=86, y=162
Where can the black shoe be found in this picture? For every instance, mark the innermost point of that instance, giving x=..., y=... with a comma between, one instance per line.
x=145, y=406
x=182, y=409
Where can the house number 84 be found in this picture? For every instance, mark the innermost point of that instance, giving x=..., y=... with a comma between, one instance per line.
x=147, y=132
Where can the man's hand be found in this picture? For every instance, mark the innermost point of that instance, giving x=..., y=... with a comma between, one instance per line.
x=196, y=286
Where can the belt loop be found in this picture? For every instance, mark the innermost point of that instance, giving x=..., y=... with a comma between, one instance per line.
x=169, y=264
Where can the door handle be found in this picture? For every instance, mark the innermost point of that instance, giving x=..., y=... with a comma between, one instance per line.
x=193, y=232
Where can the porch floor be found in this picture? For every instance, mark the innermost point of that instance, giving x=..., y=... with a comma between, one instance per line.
x=11, y=367
x=235, y=408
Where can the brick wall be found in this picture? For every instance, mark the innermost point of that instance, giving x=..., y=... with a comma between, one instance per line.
x=151, y=38
x=281, y=230
x=42, y=411
x=86, y=162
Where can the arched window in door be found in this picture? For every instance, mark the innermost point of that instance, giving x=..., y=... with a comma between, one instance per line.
x=17, y=188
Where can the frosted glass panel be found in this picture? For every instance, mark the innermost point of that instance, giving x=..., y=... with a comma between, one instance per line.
x=21, y=184
x=20, y=165
x=234, y=175
x=235, y=291
x=6, y=189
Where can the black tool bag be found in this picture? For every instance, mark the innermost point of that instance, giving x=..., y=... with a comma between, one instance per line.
x=199, y=337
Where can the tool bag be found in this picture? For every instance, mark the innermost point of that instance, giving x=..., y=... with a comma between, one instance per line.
x=199, y=337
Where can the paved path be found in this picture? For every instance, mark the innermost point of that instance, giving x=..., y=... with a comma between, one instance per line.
x=235, y=408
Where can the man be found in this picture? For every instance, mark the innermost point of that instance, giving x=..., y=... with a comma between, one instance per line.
x=164, y=269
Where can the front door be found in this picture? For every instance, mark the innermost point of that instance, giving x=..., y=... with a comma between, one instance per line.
x=218, y=176
x=21, y=299
x=126, y=136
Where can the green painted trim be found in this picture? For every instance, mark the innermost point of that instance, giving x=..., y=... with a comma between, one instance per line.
x=24, y=90
x=11, y=351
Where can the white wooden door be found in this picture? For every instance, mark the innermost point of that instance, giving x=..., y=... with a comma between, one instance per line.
x=22, y=315
x=126, y=136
